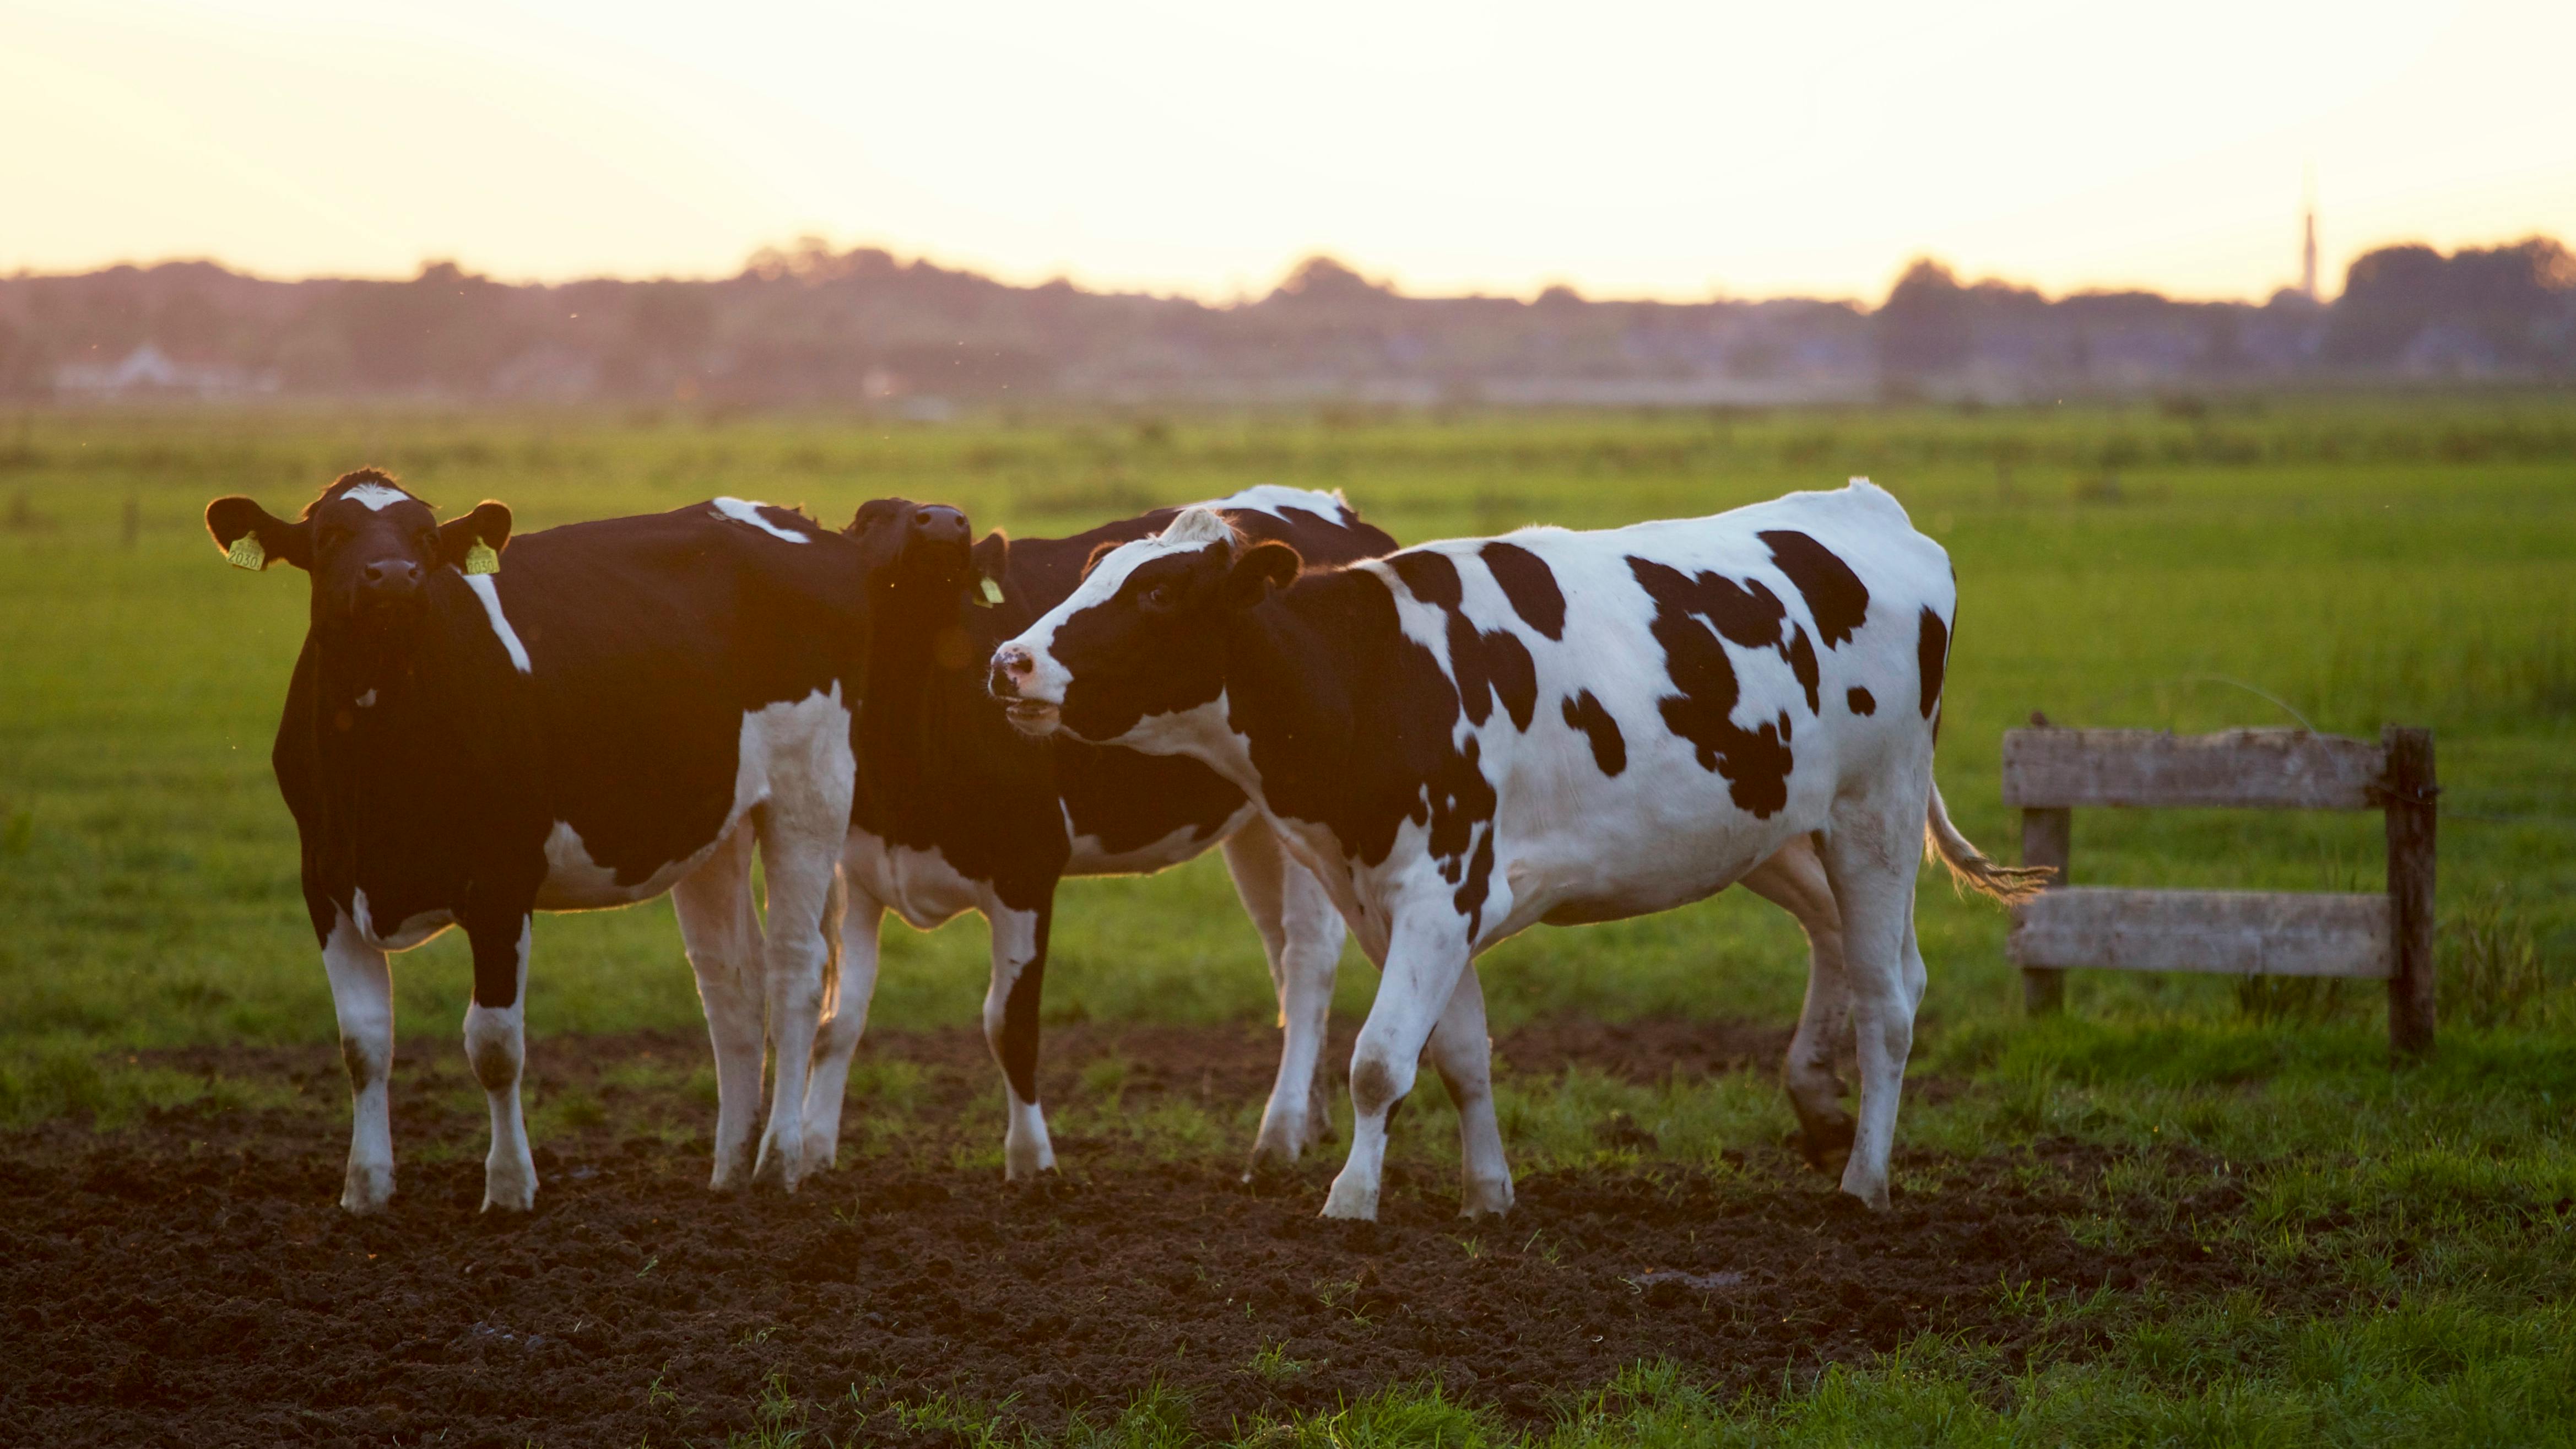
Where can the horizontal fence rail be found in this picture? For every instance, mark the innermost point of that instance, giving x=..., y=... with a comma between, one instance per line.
x=2275, y=769
x=2241, y=933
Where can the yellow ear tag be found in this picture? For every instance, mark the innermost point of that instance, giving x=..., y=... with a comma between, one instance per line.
x=246, y=553
x=482, y=558
x=988, y=593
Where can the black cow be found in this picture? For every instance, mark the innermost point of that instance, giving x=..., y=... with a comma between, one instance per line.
x=955, y=811
x=621, y=711
x=1469, y=738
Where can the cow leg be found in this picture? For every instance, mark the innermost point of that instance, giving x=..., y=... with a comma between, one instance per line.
x=847, y=1005
x=362, y=996
x=1011, y=1029
x=1301, y=935
x=797, y=863
x=1463, y=1054
x=1426, y=951
x=1870, y=855
x=720, y=929
x=496, y=1046
x=1794, y=880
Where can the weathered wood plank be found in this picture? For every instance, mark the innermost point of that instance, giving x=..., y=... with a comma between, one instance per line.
x=2242, y=933
x=2054, y=769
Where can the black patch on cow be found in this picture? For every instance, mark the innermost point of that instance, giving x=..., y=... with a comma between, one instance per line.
x=1834, y=594
x=1690, y=615
x=1931, y=656
x=1525, y=579
x=1609, y=747
x=1488, y=666
x=1802, y=661
x=1860, y=700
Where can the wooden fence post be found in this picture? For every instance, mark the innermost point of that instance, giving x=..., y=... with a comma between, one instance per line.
x=2047, y=838
x=2409, y=795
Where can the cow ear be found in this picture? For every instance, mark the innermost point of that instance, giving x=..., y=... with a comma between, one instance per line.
x=253, y=538
x=1099, y=553
x=991, y=558
x=474, y=542
x=1261, y=568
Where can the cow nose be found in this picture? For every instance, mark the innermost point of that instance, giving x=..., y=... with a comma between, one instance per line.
x=939, y=524
x=1011, y=669
x=392, y=575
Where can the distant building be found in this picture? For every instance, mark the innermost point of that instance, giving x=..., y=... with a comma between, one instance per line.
x=148, y=371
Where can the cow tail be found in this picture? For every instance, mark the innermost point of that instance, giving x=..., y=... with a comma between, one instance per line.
x=1971, y=868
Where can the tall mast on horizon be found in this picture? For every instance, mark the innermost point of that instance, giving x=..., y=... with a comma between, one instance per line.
x=2308, y=251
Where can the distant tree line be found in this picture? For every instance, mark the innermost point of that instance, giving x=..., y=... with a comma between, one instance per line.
x=807, y=325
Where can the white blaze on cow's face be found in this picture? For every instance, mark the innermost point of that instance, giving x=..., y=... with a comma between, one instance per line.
x=1142, y=636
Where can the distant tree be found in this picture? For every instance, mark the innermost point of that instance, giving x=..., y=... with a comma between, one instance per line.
x=1320, y=278
x=1924, y=327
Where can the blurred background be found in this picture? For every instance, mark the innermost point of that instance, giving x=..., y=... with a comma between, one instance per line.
x=916, y=209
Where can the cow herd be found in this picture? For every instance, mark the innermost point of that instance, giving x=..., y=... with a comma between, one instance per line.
x=1429, y=748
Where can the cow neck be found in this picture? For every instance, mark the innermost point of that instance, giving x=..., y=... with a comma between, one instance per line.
x=914, y=716
x=1294, y=679
x=440, y=707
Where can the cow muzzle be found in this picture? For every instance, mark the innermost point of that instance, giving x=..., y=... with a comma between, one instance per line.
x=1013, y=681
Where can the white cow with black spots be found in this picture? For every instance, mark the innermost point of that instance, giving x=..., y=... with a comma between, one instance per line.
x=1469, y=738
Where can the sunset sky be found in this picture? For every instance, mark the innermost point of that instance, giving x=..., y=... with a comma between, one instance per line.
x=1629, y=149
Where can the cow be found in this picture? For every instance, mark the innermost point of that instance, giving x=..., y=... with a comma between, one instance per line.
x=954, y=810
x=1469, y=738
x=624, y=710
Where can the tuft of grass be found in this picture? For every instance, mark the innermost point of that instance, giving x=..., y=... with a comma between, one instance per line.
x=2490, y=962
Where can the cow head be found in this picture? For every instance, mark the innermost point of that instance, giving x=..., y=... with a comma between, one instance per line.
x=923, y=571
x=1143, y=634
x=370, y=546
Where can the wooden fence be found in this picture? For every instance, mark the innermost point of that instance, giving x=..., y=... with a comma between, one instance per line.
x=2050, y=772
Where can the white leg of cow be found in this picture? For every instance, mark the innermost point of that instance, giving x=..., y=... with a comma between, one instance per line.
x=1870, y=856
x=1301, y=935
x=496, y=1045
x=1426, y=951
x=1011, y=1029
x=362, y=995
x=1463, y=1054
x=720, y=929
x=1794, y=880
x=846, y=1022
x=797, y=862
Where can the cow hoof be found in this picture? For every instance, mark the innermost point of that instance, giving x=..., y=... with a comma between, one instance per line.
x=367, y=1190
x=1832, y=1161
x=1351, y=1203
x=1874, y=1199
x=510, y=1197
x=772, y=1171
x=1023, y=1160
x=1486, y=1197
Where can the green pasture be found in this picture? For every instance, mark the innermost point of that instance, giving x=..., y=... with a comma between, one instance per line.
x=2340, y=562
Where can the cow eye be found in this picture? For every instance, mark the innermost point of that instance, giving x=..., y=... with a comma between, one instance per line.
x=1158, y=598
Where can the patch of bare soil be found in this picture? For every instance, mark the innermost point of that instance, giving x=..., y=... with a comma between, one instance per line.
x=189, y=1280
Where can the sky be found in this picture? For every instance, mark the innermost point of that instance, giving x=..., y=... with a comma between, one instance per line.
x=1635, y=150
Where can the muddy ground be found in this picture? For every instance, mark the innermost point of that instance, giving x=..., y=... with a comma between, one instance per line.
x=187, y=1279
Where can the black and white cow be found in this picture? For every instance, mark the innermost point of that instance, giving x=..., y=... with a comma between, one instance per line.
x=622, y=711
x=956, y=811
x=1468, y=738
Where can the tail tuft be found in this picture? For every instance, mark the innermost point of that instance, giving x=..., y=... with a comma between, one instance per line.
x=1971, y=868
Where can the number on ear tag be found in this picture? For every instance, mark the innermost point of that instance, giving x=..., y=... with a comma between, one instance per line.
x=246, y=553
x=482, y=558
x=987, y=593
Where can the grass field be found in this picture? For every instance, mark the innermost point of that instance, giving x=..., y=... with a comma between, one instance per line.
x=2346, y=563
